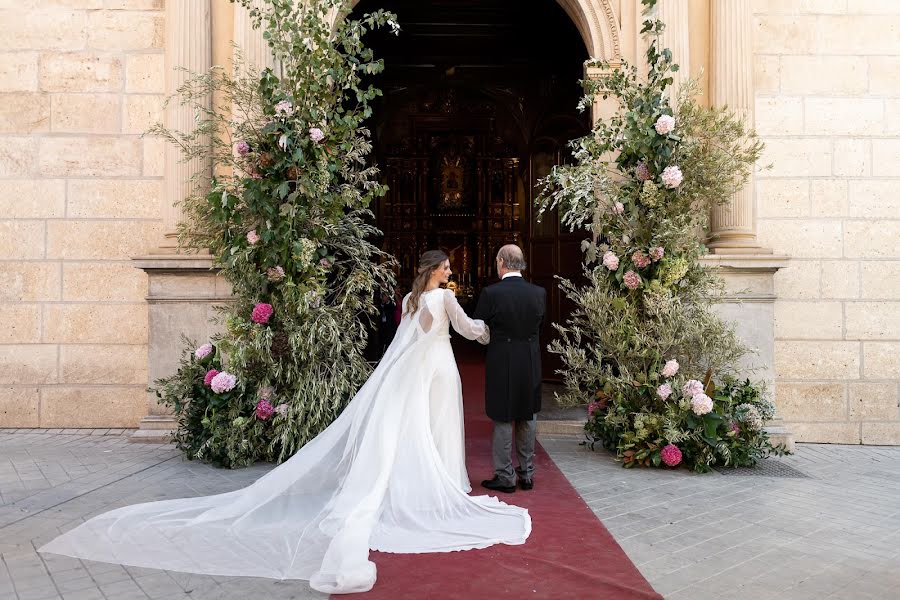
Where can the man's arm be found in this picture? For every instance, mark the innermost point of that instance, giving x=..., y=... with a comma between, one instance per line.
x=484, y=308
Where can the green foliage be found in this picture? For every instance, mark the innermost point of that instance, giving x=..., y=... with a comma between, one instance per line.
x=285, y=216
x=647, y=299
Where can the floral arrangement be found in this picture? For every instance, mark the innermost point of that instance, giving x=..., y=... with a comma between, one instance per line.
x=643, y=343
x=285, y=216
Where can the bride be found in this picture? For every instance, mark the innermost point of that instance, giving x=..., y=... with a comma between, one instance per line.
x=389, y=475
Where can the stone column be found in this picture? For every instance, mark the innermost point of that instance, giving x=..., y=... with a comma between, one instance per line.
x=250, y=41
x=676, y=37
x=733, y=225
x=188, y=46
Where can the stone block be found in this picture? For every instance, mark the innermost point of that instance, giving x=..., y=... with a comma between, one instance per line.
x=852, y=157
x=791, y=157
x=779, y=115
x=103, y=364
x=100, y=240
x=799, y=280
x=33, y=199
x=767, y=74
x=51, y=29
x=824, y=75
x=829, y=197
x=142, y=112
x=891, y=122
x=857, y=35
x=81, y=72
x=873, y=402
x=801, y=238
x=843, y=116
x=28, y=364
x=95, y=324
x=18, y=156
x=840, y=279
x=826, y=433
x=886, y=159
x=125, y=30
x=881, y=434
x=819, y=360
x=24, y=112
x=19, y=407
x=182, y=286
x=785, y=34
x=781, y=198
x=880, y=280
x=872, y=239
x=878, y=321
x=145, y=74
x=812, y=401
x=86, y=113
x=881, y=360
x=29, y=281
x=154, y=160
x=134, y=4
x=103, y=282
x=21, y=240
x=808, y=320
x=20, y=324
x=105, y=406
x=18, y=71
x=873, y=7
x=114, y=199
x=90, y=157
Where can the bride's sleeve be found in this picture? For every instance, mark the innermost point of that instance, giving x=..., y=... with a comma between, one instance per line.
x=472, y=329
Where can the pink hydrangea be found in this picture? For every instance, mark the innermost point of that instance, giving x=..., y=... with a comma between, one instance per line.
x=223, y=382
x=642, y=171
x=242, y=147
x=671, y=368
x=671, y=455
x=275, y=274
x=316, y=134
x=664, y=391
x=284, y=109
x=592, y=407
x=325, y=263
x=640, y=259
x=701, y=404
x=252, y=237
x=672, y=177
x=262, y=312
x=618, y=208
x=207, y=381
x=203, y=351
x=282, y=409
x=657, y=253
x=610, y=261
x=632, y=280
x=665, y=124
x=264, y=410
x=691, y=388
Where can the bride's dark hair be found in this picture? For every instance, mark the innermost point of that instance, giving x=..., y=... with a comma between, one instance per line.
x=428, y=263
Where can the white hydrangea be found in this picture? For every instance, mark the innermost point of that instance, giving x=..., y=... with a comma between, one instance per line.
x=672, y=177
x=665, y=124
x=701, y=404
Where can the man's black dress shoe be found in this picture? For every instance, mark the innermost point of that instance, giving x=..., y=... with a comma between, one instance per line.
x=526, y=484
x=495, y=485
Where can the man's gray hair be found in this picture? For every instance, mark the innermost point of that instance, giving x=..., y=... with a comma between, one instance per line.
x=513, y=258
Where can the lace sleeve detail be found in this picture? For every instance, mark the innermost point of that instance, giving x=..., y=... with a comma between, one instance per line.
x=472, y=329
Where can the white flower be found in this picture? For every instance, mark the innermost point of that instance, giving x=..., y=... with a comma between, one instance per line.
x=284, y=109
x=670, y=369
x=610, y=261
x=691, y=388
x=282, y=141
x=665, y=124
x=316, y=134
x=672, y=177
x=664, y=391
x=701, y=404
x=618, y=208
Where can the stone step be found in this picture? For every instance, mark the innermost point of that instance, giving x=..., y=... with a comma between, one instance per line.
x=560, y=427
x=151, y=436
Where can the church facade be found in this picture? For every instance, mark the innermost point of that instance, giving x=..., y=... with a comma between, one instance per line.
x=94, y=295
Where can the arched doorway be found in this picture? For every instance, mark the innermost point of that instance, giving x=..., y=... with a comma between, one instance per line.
x=479, y=103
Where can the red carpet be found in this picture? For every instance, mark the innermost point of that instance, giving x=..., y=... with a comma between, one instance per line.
x=570, y=554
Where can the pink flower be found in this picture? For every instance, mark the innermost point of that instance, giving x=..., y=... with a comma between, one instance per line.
x=223, y=382
x=325, y=263
x=671, y=455
x=264, y=410
x=262, y=312
x=618, y=208
x=282, y=409
x=592, y=407
x=672, y=177
x=275, y=274
x=207, y=381
x=701, y=404
x=610, y=261
x=203, y=351
x=665, y=124
x=671, y=368
x=664, y=391
x=252, y=237
x=640, y=259
x=734, y=427
x=284, y=109
x=632, y=280
x=691, y=388
x=657, y=253
x=242, y=147
x=642, y=171
x=316, y=134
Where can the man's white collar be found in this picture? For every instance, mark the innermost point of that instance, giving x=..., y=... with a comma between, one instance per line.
x=511, y=274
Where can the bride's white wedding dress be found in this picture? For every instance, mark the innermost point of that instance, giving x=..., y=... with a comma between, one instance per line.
x=389, y=474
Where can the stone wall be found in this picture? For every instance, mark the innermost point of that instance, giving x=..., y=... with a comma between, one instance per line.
x=828, y=106
x=80, y=80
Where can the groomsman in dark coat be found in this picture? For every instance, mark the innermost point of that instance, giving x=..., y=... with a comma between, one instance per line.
x=514, y=310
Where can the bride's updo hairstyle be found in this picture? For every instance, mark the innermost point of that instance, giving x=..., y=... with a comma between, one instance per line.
x=428, y=263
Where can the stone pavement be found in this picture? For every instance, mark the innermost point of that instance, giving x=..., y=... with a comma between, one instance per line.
x=832, y=532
